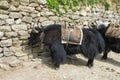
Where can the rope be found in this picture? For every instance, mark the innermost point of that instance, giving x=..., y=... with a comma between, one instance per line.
x=81, y=32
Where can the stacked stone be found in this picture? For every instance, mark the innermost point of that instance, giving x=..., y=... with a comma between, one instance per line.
x=18, y=18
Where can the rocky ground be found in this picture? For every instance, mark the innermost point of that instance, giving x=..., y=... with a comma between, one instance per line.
x=74, y=69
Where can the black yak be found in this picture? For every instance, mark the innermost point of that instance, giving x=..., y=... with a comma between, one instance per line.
x=92, y=43
x=112, y=43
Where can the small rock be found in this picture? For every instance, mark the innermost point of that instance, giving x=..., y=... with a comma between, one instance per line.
x=11, y=34
x=38, y=8
x=5, y=67
x=17, y=51
x=25, y=13
x=25, y=1
x=1, y=55
x=6, y=52
x=4, y=5
x=54, y=18
x=23, y=33
x=15, y=15
x=4, y=12
x=15, y=63
x=44, y=13
x=33, y=5
x=5, y=28
x=24, y=37
x=41, y=19
x=10, y=21
x=1, y=49
x=83, y=13
x=33, y=15
x=15, y=3
x=42, y=1
x=1, y=34
x=6, y=43
x=46, y=23
x=27, y=19
x=16, y=42
x=18, y=21
x=20, y=54
x=19, y=27
x=13, y=8
x=2, y=22
x=26, y=9
x=74, y=17
x=3, y=16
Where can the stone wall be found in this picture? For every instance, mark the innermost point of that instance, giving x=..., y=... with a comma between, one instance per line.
x=18, y=18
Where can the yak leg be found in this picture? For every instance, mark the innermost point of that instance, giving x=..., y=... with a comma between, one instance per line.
x=105, y=54
x=90, y=62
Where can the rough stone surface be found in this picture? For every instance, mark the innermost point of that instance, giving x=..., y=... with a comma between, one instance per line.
x=5, y=43
x=11, y=34
x=18, y=21
x=5, y=28
x=1, y=55
x=10, y=21
x=1, y=34
x=44, y=13
x=5, y=67
x=2, y=22
x=1, y=49
x=8, y=60
x=19, y=27
x=13, y=8
x=4, y=5
x=16, y=42
x=4, y=12
x=27, y=19
x=6, y=52
x=41, y=1
x=15, y=63
x=26, y=9
x=3, y=16
x=46, y=23
x=15, y=15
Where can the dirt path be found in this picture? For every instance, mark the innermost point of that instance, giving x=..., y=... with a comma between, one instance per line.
x=74, y=69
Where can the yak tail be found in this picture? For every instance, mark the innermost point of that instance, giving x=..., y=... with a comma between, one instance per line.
x=101, y=42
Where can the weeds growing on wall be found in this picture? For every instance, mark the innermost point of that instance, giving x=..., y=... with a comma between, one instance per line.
x=71, y=4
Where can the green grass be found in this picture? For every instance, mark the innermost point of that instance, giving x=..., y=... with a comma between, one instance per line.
x=71, y=4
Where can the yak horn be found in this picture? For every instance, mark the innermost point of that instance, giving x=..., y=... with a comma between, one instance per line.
x=35, y=31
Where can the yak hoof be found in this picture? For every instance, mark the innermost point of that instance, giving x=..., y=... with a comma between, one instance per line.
x=104, y=58
x=90, y=65
x=57, y=66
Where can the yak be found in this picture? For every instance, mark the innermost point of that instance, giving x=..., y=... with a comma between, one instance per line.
x=92, y=43
x=112, y=43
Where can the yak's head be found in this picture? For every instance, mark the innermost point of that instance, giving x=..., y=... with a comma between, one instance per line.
x=35, y=36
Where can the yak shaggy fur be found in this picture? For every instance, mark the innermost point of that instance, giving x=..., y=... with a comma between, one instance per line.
x=92, y=44
x=112, y=43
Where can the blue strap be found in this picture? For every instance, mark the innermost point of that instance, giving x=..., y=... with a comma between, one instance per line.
x=68, y=38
